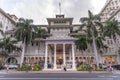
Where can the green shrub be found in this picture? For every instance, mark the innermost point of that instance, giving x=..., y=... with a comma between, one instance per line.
x=37, y=68
x=29, y=68
x=18, y=68
x=24, y=68
x=83, y=68
x=94, y=67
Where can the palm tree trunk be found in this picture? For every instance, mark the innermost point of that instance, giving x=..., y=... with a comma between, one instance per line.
x=22, y=55
x=82, y=57
x=95, y=50
x=38, y=51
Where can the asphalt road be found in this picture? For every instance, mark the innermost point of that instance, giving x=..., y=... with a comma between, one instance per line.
x=60, y=76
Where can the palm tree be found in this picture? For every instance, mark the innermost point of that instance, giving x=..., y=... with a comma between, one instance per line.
x=92, y=24
x=39, y=35
x=112, y=30
x=81, y=44
x=24, y=32
x=8, y=46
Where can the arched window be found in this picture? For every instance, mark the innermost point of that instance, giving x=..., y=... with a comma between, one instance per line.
x=12, y=60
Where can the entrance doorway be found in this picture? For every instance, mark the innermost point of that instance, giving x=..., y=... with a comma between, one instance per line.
x=59, y=62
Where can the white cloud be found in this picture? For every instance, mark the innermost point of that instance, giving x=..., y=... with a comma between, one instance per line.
x=98, y=5
x=39, y=10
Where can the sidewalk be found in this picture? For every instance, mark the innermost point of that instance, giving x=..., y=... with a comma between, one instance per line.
x=15, y=71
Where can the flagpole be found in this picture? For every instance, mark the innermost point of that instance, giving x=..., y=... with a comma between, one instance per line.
x=60, y=7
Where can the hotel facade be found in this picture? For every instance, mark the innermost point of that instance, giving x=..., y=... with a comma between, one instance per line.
x=59, y=47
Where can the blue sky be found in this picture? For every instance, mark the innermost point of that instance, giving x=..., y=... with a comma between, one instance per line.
x=39, y=10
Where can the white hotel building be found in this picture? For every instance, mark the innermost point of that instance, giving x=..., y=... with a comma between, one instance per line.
x=59, y=47
x=110, y=11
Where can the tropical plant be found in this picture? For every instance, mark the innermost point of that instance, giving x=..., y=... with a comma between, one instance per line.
x=39, y=35
x=92, y=24
x=112, y=30
x=81, y=43
x=8, y=46
x=25, y=32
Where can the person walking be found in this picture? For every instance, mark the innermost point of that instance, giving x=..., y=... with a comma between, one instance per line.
x=64, y=67
x=7, y=68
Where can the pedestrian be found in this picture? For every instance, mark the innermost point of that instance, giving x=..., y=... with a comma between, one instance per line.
x=64, y=67
x=7, y=68
x=110, y=68
x=32, y=67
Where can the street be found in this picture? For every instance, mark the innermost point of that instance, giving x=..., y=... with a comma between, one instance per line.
x=60, y=76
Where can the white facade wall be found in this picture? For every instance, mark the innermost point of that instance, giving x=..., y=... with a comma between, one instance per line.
x=32, y=50
x=59, y=34
x=109, y=9
x=7, y=24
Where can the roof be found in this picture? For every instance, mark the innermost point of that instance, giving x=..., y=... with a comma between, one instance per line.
x=6, y=15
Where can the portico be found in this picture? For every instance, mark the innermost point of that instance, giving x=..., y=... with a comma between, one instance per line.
x=60, y=52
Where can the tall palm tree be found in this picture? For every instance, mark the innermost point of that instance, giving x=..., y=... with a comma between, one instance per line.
x=81, y=44
x=92, y=24
x=112, y=30
x=40, y=34
x=2, y=33
x=25, y=33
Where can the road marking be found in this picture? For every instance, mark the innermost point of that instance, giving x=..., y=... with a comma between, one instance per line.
x=57, y=78
x=108, y=76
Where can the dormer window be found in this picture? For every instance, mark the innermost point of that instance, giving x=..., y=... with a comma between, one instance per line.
x=59, y=16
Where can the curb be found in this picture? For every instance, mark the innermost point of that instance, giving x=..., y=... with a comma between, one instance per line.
x=19, y=72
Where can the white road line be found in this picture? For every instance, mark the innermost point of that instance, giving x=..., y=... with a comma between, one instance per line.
x=108, y=76
x=58, y=78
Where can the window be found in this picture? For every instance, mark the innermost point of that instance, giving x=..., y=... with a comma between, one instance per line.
x=111, y=42
x=6, y=27
x=32, y=44
x=1, y=25
x=36, y=43
x=11, y=35
x=108, y=42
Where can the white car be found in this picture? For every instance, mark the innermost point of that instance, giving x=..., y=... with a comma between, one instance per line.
x=104, y=66
x=11, y=66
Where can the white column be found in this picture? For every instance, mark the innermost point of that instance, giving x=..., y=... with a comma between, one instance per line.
x=50, y=58
x=34, y=59
x=64, y=56
x=55, y=56
x=46, y=55
x=70, y=54
x=73, y=57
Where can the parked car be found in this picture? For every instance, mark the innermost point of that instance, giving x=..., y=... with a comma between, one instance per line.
x=117, y=67
x=11, y=66
x=102, y=65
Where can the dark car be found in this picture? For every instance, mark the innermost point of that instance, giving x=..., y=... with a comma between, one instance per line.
x=117, y=67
